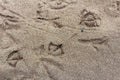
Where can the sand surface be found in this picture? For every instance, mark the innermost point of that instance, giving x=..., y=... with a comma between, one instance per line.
x=59, y=39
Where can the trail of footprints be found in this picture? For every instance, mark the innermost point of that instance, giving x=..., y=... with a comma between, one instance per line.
x=88, y=18
x=54, y=49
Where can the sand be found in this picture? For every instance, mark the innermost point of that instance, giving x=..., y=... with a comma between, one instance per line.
x=59, y=39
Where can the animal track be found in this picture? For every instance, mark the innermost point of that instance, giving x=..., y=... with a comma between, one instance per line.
x=43, y=12
x=57, y=24
x=90, y=19
x=57, y=4
x=13, y=58
x=96, y=41
x=101, y=40
x=113, y=9
x=60, y=4
x=55, y=49
x=9, y=22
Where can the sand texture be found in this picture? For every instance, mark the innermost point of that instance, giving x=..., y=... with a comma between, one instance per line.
x=59, y=39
